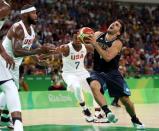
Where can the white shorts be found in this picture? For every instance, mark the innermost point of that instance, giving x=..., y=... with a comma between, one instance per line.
x=5, y=73
x=76, y=80
x=9, y=73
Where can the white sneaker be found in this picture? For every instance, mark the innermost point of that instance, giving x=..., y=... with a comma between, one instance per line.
x=101, y=120
x=88, y=115
x=99, y=117
x=139, y=126
x=89, y=118
x=111, y=117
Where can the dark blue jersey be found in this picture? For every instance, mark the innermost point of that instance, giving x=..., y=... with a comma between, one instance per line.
x=100, y=64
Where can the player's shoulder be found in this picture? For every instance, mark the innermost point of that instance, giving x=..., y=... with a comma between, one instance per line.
x=119, y=41
x=17, y=29
x=17, y=26
x=98, y=33
x=64, y=48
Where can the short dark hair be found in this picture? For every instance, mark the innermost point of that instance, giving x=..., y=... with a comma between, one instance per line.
x=122, y=28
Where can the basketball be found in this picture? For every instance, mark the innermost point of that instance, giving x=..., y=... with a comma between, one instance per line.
x=84, y=33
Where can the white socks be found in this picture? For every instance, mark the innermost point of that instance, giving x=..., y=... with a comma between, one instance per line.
x=18, y=126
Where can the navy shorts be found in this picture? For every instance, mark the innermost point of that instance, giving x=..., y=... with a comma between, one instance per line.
x=113, y=81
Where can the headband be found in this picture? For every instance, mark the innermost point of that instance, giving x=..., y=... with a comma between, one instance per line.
x=28, y=10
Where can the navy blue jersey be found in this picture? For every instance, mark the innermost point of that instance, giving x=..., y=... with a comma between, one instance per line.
x=100, y=64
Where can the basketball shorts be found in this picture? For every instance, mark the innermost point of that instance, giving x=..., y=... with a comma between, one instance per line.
x=111, y=81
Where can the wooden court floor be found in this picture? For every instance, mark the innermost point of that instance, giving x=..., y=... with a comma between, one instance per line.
x=71, y=119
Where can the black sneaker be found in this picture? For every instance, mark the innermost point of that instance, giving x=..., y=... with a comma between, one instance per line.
x=88, y=115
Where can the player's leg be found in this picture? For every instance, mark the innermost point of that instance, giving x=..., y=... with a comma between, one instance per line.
x=99, y=116
x=115, y=102
x=73, y=85
x=4, y=113
x=13, y=103
x=129, y=106
x=97, y=84
x=117, y=87
x=23, y=84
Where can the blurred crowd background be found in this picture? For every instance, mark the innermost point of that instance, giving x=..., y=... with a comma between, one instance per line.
x=59, y=19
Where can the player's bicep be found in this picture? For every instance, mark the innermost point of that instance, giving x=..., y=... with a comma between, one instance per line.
x=16, y=36
x=114, y=50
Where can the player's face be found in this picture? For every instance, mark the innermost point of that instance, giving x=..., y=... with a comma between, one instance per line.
x=114, y=28
x=32, y=17
x=76, y=39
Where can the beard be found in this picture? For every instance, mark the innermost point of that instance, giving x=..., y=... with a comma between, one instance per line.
x=31, y=21
x=110, y=32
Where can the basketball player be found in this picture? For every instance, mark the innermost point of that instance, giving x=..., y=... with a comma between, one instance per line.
x=5, y=11
x=107, y=53
x=18, y=43
x=75, y=74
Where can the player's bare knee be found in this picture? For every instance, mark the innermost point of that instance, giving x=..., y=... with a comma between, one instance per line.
x=16, y=114
x=125, y=100
x=95, y=85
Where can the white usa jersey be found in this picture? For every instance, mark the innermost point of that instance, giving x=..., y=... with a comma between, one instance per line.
x=74, y=62
x=26, y=44
x=7, y=44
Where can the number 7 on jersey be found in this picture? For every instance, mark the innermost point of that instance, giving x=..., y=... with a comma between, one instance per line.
x=77, y=64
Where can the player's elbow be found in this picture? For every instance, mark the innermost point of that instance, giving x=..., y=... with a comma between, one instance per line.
x=107, y=59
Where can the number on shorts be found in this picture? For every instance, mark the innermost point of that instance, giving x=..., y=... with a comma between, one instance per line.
x=77, y=64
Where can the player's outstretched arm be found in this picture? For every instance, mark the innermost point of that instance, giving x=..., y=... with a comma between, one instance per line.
x=63, y=49
x=16, y=35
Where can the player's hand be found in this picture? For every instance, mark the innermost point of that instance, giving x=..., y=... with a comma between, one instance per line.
x=91, y=40
x=44, y=49
x=9, y=60
x=53, y=49
x=43, y=57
